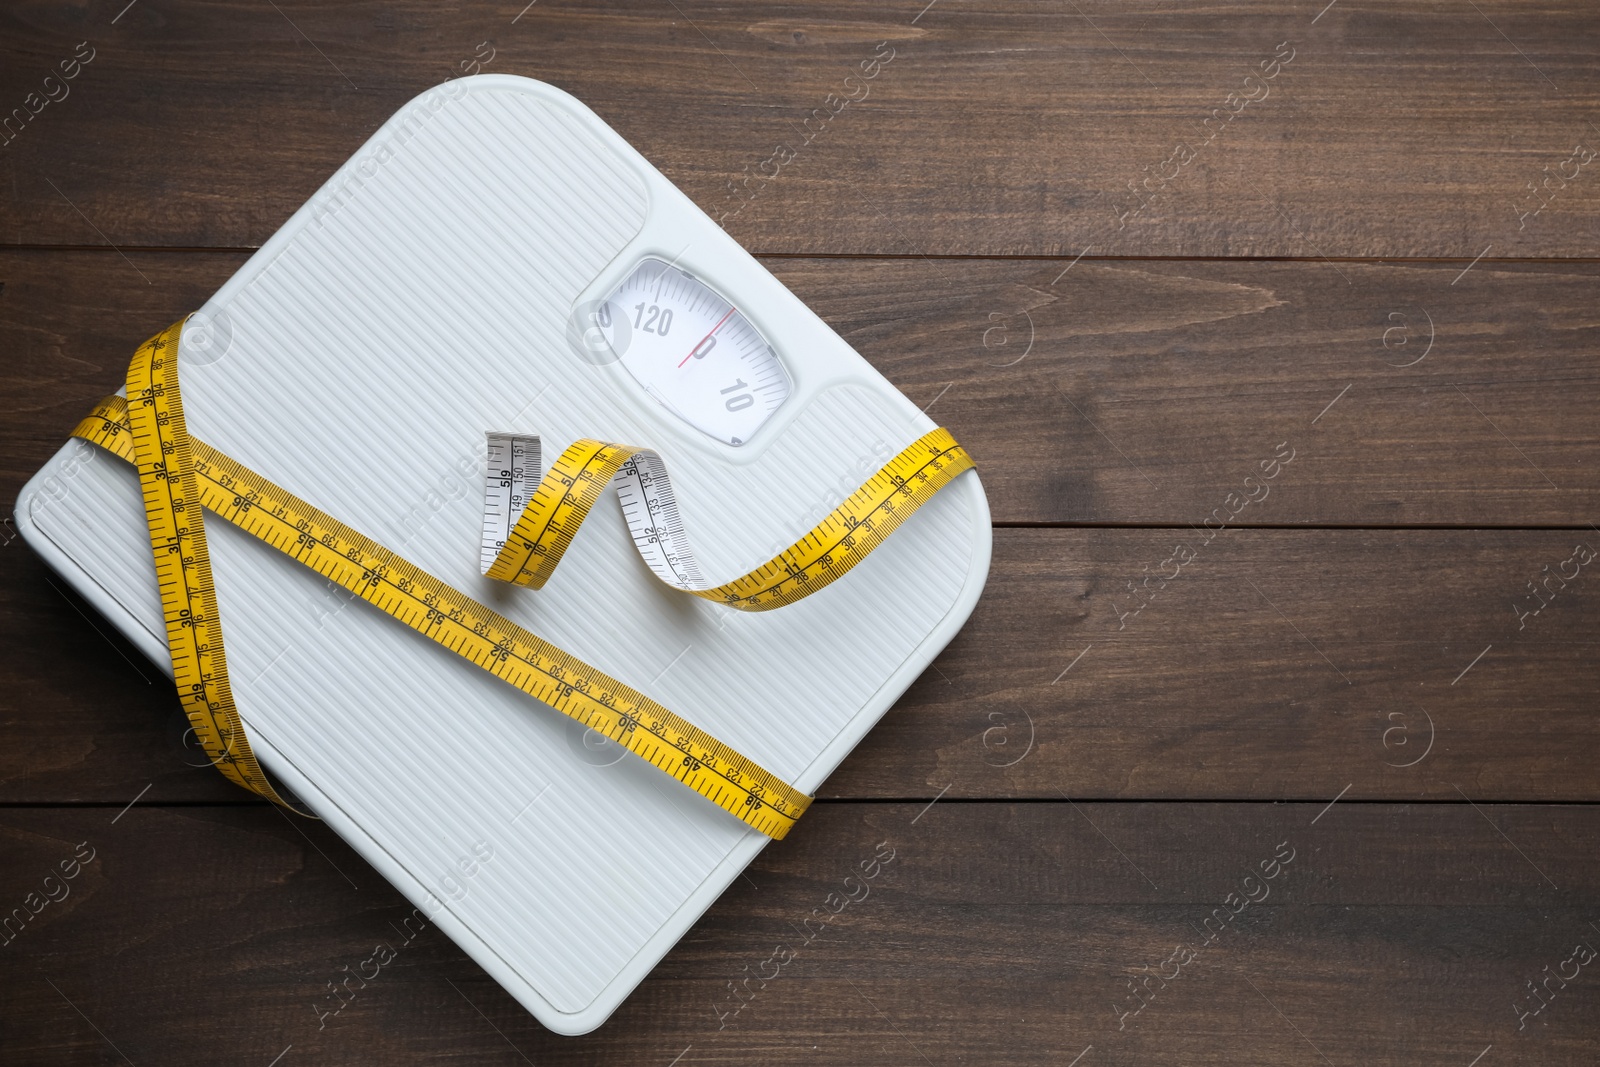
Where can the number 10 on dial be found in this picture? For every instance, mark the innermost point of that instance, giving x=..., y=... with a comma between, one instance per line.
x=693, y=351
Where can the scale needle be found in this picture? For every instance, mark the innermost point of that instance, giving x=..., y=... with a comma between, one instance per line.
x=707, y=337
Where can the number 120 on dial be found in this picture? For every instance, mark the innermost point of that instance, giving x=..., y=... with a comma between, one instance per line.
x=693, y=351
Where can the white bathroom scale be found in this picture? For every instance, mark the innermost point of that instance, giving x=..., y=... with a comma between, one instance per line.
x=496, y=258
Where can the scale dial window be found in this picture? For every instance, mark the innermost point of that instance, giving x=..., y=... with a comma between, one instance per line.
x=693, y=351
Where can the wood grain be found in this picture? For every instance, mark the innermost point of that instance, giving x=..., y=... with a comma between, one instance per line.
x=996, y=129
x=1276, y=664
x=1150, y=392
x=1383, y=266
x=997, y=934
x=1413, y=394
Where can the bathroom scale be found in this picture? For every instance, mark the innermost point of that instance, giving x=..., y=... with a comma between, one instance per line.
x=496, y=264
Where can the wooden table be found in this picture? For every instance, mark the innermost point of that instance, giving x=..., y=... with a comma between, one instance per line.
x=1273, y=327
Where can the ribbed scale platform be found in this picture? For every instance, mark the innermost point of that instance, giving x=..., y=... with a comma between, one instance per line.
x=419, y=300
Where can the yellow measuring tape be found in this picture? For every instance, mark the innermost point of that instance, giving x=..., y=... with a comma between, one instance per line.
x=181, y=475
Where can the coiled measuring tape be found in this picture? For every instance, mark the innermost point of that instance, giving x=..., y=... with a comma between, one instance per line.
x=180, y=476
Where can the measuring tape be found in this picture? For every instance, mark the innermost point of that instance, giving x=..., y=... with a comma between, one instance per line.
x=552, y=512
x=180, y=475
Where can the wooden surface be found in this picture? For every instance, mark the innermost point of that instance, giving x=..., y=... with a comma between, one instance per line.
x=1350, y=273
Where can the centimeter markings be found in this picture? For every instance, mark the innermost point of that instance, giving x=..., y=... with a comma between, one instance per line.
x=565, y=495
x=477, y=633
x=578, y=494
x=494, y=643
x=819, y=565
x=505, y=493
x=160, y=443
x=648, y=486
x=562, y=500
x=179, y=475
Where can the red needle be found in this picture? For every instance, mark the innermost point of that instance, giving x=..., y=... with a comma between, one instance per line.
x=707, y=337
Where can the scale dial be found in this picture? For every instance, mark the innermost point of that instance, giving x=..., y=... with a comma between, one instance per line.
x=693, y=351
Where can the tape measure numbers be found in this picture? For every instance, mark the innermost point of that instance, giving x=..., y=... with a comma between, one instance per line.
x=552, y=512
x=180, y=475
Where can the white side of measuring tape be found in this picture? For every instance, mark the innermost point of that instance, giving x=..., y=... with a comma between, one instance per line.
x=644, y=490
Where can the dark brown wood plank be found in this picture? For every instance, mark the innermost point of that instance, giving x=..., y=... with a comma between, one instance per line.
x=1395, y=682
x=1276, y=664
x=1150, y=392
x=1410, y=394
x=1400, y=614
x=997, y=934
x=1017, y=128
